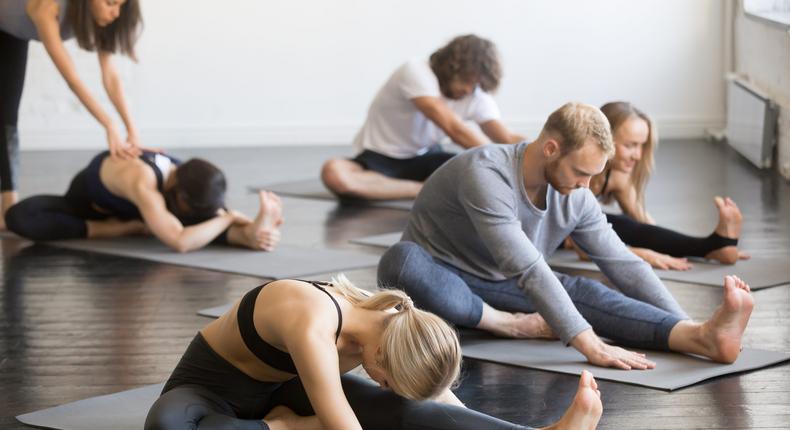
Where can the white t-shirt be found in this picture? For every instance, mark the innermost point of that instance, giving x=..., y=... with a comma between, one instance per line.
x=396, y=128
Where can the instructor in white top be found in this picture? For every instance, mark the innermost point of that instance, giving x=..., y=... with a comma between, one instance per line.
x=421, y=103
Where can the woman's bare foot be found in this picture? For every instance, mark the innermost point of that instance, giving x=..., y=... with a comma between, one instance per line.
x=263, y=233
x=586, y=409
x=282, y=418
x=730, y=221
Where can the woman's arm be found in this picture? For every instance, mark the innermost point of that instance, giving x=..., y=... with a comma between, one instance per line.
x=316, y=359
x=44, y=14
x=167, y=228
x=624, y=192
x=112, y=84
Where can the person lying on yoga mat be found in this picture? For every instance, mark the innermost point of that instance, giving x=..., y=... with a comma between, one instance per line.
x=624, y=180
x=421, y=104
x=104, y=26
x=281, y=359
x=475, y=248
x=183, y=205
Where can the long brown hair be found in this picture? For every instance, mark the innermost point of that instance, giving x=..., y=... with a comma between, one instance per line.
x=118, y=36
x=618, y=113
x=468, y=57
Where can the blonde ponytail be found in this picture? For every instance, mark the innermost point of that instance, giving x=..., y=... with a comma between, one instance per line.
x=419, y=350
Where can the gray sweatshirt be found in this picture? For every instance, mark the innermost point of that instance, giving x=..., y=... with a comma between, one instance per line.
x=474, y=214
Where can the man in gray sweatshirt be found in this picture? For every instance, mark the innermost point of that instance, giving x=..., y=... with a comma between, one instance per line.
x=473, y=252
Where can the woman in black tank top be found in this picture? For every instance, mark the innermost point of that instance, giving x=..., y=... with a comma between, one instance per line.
x=272, y=362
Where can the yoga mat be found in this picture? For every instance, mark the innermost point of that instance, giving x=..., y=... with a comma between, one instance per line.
x=758, y=272
x=381, y=240
x=673, y=370
x=216, y=311
x=120, y=411
x=284, y=262
x=314, y=189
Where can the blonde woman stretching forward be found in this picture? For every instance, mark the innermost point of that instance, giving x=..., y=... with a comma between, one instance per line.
x=278, y=360
x=624, y=180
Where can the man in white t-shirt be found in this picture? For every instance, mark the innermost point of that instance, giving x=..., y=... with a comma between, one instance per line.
x=422, y=103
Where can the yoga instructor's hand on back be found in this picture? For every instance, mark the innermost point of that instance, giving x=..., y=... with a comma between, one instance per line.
x=125, y=150
x=605, y=355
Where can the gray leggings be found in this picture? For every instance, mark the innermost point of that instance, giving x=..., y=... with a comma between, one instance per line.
x=458, y=297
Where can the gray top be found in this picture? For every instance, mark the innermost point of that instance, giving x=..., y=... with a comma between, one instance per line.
x=474, y=213
x=15, y=21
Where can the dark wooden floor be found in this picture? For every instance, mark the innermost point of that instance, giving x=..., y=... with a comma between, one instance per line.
x=75, y=324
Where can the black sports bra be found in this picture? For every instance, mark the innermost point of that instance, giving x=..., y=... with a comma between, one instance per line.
x=268, y=354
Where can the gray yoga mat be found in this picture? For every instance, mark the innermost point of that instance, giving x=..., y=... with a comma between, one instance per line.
x=314, y=189
x=216, y=311
x=759, y=272
x=284, y=262
x=120, y=411
x=673, y=370
x=381, y=240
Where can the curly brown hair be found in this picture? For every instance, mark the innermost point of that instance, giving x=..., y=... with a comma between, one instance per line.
x=121, y=35
x=468, y=58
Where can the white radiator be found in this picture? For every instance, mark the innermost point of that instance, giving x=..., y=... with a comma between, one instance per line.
x=751, y=122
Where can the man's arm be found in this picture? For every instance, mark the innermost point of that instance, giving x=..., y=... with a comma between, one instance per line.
x=436, y=110
x=499, y=133
x=629, y=273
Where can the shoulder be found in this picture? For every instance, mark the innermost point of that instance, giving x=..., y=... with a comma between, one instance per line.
x=302, y=301
x=618, y=182
x=38, y=9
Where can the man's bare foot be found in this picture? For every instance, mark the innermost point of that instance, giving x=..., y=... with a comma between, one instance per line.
x=586, y=409
x=263, y=233
x=722, y=333
x=530, y=326
x=730, y=221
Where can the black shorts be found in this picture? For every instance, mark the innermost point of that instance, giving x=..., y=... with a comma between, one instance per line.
x=414, y=169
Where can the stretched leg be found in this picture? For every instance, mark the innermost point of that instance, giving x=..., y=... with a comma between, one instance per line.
x=13, y=53
x=719, y=245
x=444, y=290
x=194, y=407
x=347, y=178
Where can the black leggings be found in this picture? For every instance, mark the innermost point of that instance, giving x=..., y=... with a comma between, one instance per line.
x=206, y=392
x=13, y=62
x=49, y=217
x=418, y=168
x=663, y=240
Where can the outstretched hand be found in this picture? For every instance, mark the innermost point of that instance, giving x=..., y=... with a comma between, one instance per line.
x=605, y=355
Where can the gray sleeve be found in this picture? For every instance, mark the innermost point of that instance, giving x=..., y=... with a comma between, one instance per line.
x=490, y=204
x=629, y=273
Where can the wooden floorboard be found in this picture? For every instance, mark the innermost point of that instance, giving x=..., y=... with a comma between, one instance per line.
x=75, y=324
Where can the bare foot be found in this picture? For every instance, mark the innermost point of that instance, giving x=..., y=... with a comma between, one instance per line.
x=263, y=233
x=530, y=326
x=586, y=409
x=722, y=333
x=730, y=221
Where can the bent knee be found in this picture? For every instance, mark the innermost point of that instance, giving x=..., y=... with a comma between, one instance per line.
x=396, y=261
x=17, y=220
x=336, y=174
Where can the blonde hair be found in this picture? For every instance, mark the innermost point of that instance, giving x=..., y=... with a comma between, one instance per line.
x=574, y=124
x=618, y=113
x=419, y=350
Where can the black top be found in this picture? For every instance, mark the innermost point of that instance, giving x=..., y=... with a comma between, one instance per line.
x=268, y=354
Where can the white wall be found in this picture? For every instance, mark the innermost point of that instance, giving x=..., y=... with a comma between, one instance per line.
x=762, y=53
x=255, y=72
